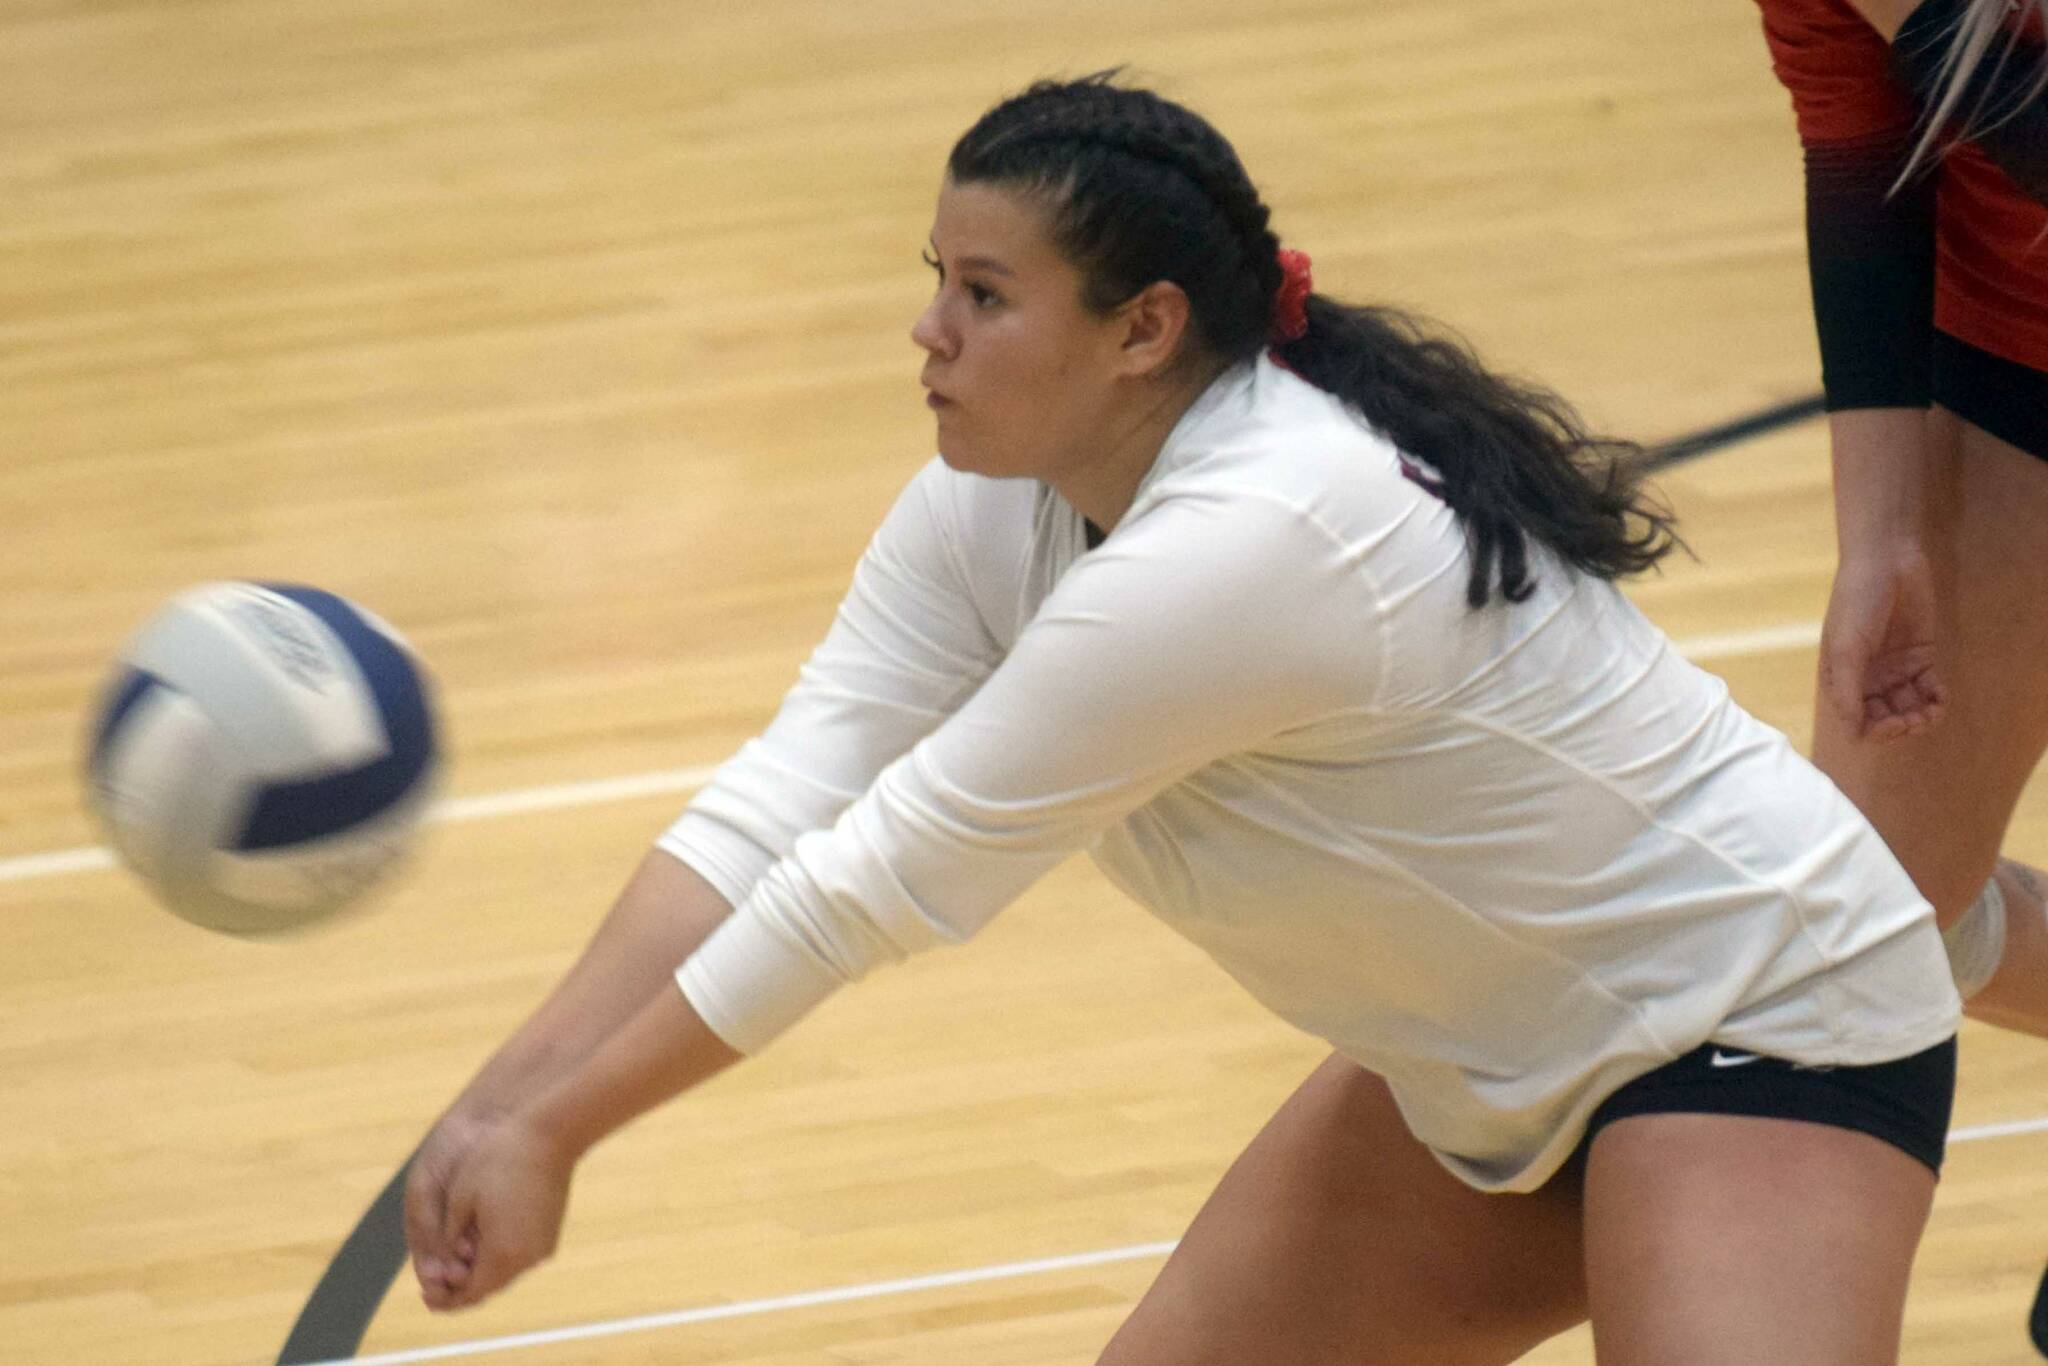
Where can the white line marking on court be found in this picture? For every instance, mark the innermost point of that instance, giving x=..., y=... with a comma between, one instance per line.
x=878, y=1289
x=2009, y=1129
x=1795, y=635
x=672, y=780
x=54, y=864
x=559, y=797
x=1792, y=636
x=563, y=796
x=809, y=1299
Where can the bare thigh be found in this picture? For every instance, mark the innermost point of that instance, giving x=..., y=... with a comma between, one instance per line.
x=1726, y=1240
x=1337, y=1238
x=1942, y=798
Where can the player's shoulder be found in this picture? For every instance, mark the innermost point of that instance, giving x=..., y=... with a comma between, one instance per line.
x=1814, y=41
x=1827, y=12
x=967, y=529
x=972, y=509
x=1268, y=441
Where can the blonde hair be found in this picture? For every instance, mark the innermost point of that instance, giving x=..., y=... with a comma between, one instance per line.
x=1971, y=41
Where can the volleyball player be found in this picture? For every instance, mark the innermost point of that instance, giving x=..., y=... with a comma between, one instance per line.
x=1304, y=625
x=1929, y=263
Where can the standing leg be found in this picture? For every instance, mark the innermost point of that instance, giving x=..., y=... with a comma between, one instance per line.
x=1337, y=1238
x=1729, y=1240
x=1942, y=798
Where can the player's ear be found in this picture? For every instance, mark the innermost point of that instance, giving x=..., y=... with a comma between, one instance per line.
x=1154, y=326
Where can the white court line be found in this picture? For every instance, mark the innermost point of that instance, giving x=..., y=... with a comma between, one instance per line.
x=2009, y=1129
x=872, y=1290
x=1791, y=636
x=556, y=798
x=1796, y=635
x=878, y=1289
x=26, y=867
x=596, y=793
x=54, y=864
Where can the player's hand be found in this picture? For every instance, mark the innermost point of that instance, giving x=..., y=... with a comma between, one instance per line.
x=1877, y=665
x=506, y=1197
x=440, y=1263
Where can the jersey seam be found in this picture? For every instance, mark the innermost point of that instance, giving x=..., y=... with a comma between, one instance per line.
x=1798, y=903
x=1351, y=558
x=1572, y=966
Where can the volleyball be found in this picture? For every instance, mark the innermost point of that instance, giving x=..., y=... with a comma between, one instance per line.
x=262, y=755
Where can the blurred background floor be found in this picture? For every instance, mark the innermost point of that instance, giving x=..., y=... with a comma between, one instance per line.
x=573, y=341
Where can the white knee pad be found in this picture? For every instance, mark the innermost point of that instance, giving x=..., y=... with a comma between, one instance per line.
x=1977, y=941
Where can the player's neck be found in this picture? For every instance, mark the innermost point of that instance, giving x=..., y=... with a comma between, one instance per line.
x=1102, y=487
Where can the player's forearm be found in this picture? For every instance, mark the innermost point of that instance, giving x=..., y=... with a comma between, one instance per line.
x=1886, y=476
x=664, y=1049
x=664, y=913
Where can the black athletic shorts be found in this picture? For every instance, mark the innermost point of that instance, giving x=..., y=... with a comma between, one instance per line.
x=1906, y=1103
x=2005, y=398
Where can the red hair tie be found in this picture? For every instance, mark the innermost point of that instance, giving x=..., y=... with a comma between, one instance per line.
x=1290, y=303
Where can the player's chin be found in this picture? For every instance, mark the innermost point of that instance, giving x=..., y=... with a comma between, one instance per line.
x=990, y=460
x=963, y=455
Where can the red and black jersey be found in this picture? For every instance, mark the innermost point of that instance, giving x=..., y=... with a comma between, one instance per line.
x=1960, y=247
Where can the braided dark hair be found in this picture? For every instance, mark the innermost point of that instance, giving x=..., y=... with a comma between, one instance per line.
x=1139, y=189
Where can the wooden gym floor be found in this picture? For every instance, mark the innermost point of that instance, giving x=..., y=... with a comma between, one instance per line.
x=571, y=339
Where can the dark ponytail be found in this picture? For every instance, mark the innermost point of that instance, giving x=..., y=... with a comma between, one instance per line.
x=1140, y=189
x=1512, y=460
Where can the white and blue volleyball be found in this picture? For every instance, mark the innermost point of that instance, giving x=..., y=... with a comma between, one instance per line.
x=262, y=755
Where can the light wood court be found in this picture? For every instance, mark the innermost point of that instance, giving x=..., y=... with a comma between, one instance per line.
x=573, y=340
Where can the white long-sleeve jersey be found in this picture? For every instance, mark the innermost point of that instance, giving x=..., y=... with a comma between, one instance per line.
x=1508, y=858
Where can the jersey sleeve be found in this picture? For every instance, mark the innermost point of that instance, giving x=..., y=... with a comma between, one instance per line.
x=1202, y=629
x=1870, y=249
x=905, y=649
